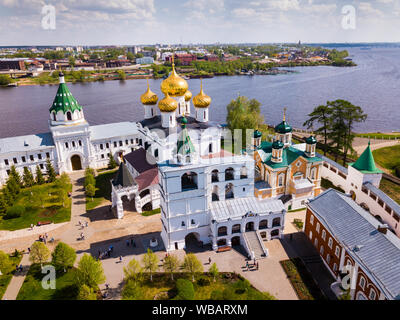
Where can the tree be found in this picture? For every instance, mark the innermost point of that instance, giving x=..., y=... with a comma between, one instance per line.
x=121, y=74
x=39, y=175
x=39, y=196
x=214, y=271
x=192, y=265
x=133, y=271
x=90, y=191
x=89, y=272
x=39, y=253
x=244, y=114
x=132, y=291
x=63, y=256
x=86, y=293
x=321, y=115
x=3, y=204
x=51, y=173
x=150, y=262
x=5, y=79
x=171, y=265
x=15, y=175
x=6, y=264
x=29, y=181
x=89, y=179
x=185, y=289
x=111, y=163
x=71, y=61
x=62, y=195
x=64, y=180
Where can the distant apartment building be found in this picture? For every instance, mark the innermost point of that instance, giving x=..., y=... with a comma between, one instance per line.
x=145, y=60
x=12, y=64
x=147, y=53
x=356, y=248
x=184, y=59
x=134, y=49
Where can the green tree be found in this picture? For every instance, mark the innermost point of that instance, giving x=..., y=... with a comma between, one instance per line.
x=86, y=293
x=39, y=175
x=11, y=190
x=72, y=61
x=39, y=196
x=133, y=271
x=39, y=253
x=5, y=79
x=90, y=191
x=192, y=265
x=121, y=74
x=214, y=271
x=29, y=181
x=132, y=291
x=64, y=180
x=150, y=262
x=244, y=114
x=111, y=163
x=89, y=179
x=171, y=265
x=6, y=264
x=322, y=116
x=51, y=173
x=62, y=195
x=3, y=204
x=63, y=256
x=89, y=272
x=185, y=289
x=16, y=176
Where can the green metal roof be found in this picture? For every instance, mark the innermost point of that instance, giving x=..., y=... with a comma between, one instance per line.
x=257, y=134
x=184, y=143
x=64, y=100
x=366, y=163
x=311, y=140
x=277, y=144
x=283, y=127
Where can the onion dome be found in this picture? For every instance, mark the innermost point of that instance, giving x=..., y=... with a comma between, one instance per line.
x=201, y=100
x=257, y=134
x=149, y=97
x=311, y=140
x=167, y=104
x=64, y=100
x=184, y=122
x=188, y=95
x=174, y=85
x=277, y=144
x=283, y=127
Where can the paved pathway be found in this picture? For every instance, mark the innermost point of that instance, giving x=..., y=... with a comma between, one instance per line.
x=17, y=280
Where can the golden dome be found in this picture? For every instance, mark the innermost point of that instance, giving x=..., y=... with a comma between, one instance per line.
x=149, y=97
x=175, y=85
x=201, y=100
x=188, y=95
x=168, y=104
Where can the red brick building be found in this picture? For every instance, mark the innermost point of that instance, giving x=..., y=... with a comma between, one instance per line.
x=184, y=59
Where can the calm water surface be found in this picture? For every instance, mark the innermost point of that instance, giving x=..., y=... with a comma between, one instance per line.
x=374, y=85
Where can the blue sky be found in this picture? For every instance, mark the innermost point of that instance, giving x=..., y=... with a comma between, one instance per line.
x=126, y=22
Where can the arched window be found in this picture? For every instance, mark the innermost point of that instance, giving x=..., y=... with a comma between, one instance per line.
x=313, y=173
x=156, y=153
x=310, y=235
x=222, y=231
x=229, y=174
x=323, y=234
x=263, y=224
x=69, y=116
x=54, y=116
x=372, y=294
x=205, y=114
x=243, y=173
x=214, y=194
x=362, y=282
x=281, y=177
x=321, y=250
x=189, y=181
x=276, y=222
x=214, y=176
x=210, y=148
x=236, y=228
x=229, y=191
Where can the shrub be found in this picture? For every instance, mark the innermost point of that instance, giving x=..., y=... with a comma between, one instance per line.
x=185, y=289
x=132, y=291
x=203, y=281
x=229, y=294
x=242, y=286
x=14, y=212
x=217, y=295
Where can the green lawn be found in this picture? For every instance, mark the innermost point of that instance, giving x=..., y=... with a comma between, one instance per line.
x=151, y=212
x=326, y=184
x=301, y=280
x=52, y=209
x=103, y=190
x=388, y=157
x=230, y=283
x=6, y=278
x=32, y=287
x=391, y=189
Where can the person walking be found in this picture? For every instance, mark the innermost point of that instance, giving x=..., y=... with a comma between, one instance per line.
x=120, y=259
x=257, y=265
x=247, y=265
x=86, y=224
x=127, y=243
x=209, y=260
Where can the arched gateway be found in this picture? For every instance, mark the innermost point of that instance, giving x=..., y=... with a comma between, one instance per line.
x=76, y=162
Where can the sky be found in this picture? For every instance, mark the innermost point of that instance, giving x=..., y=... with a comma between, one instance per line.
x=136, y=22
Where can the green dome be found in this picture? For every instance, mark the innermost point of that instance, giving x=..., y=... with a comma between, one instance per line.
x=283, y=127
x=311, y=140
x=277, y=144
x=257, y=134
x=64, y=100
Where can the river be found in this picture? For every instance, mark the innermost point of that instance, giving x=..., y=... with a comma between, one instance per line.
x=374, y=85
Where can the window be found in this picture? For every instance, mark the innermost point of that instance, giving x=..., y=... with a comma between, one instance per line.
x=276, y=222
x=69, y=116
x=222, y=231
x=126, y=142
x=101, y=146
x=316, y=242
x=137, y=140
x=321, y=250
x=337, y=251
x=80, y=143
x=23, y=159
x=312, y=174
x=310, y=235
x=214, y=176
x=31, y=157
x=280, y=180
x=73, y=144
x=210, y=148
x=229, y=174
x=372, y=294
x=311, y=219
x=15, y=160
x=66, y=145
x=328, y=258
x=120, y=143
x=229, y=194
x=189, y=181
x=243, y=173
x=131, y=141
x=361, y=283
x=330, y=242
x=47, y=155
x=8, y=172
x=6, y=162
x=334, y=267
x=317, y=227
x=115, y=144
x=183, y=223
x=263, y=224
x=39, y=156
x=41, y=166
x=156, y=153
x=236, y=228
x=193, y=222
x=107, y=145
x=102, y=156
x=323, y=234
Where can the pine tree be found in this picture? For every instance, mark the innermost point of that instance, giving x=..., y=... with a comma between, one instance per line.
x=51, y=173
x=14, y=174
x=3, y=204
x=8, y=197
x=39, y=175
x=111, y=163
x=29, y=181
x=12, y=187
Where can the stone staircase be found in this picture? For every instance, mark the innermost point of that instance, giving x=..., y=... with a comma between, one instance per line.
x=255, y=245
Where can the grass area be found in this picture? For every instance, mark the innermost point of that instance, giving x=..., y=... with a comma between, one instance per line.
x=391, y=189
x=231, y=285
x=296, y=210
x=32, y=287
x=388, y=157
x=52, y=209
x=378, y=135
x=301, y=280
x=6, y=278
x=103, y=190
x=151, y=212
x=326, y=184
x=298, y=224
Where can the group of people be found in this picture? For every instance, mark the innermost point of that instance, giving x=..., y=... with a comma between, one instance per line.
x=44, y=238
x=130, y=242
x=82, y=225
x=255, y=265
x=106, y=253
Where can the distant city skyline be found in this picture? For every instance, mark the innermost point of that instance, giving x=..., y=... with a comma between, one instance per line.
x=134, y=22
